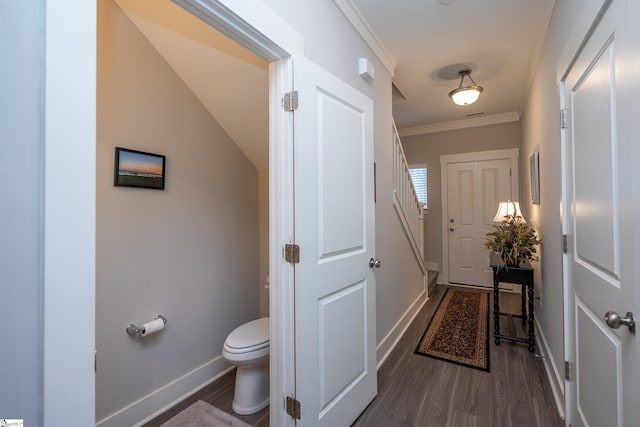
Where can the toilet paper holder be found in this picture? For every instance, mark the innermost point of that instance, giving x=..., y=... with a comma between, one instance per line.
x=133, y=329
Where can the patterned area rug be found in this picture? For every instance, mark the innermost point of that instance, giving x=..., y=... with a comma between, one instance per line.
x=201, y=414
x=459, y=330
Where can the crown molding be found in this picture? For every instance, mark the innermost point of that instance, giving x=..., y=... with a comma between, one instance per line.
x=493, y=119
x=353, y=15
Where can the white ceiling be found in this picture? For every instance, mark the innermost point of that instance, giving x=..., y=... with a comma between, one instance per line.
x=429, y=40
x=499, y=40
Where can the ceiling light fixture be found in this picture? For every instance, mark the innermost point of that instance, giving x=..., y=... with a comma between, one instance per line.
x=465, y=95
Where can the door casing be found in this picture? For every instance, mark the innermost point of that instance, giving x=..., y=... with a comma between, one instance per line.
x=275, y=42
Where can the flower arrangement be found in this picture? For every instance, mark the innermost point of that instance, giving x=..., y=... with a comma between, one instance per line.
x=513, y=240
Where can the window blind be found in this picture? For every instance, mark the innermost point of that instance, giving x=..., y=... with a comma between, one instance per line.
x=419, y=178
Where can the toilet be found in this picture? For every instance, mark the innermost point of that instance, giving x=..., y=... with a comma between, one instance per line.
x=247, y=347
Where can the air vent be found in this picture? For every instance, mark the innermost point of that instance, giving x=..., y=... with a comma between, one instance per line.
x=475, y=114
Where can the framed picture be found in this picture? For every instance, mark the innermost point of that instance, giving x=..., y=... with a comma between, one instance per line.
x=138, y=169
x=534, y=169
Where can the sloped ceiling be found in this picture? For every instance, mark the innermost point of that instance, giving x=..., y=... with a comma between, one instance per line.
x=231, y=82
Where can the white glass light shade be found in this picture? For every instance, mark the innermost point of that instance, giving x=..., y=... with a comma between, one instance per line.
x=508, y=208
x=465, y=95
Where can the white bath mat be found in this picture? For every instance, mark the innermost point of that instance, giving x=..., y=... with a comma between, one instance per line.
x=201, y=414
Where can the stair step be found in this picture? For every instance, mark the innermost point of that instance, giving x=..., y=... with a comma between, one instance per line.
x=432, y=278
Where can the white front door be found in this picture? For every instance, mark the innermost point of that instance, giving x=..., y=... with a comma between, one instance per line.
x=334, y=227
x=600, y=91
x=474, y=191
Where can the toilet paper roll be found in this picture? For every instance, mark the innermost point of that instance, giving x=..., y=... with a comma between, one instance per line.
x=151, y=327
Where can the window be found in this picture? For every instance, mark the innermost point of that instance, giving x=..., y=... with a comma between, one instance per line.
x=419, y=178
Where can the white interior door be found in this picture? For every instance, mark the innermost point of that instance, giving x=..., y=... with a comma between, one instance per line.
x=602, y=267
x=334, y=227
x=474, y=190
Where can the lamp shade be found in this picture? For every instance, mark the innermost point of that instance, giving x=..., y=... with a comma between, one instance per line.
x=508, y=208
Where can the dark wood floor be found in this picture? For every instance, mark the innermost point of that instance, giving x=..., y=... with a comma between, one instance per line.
x=415, y=390
x=219, y=394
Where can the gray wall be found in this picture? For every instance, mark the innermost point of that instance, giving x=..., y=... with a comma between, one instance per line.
x=22, y=124
x=541, y=132
x=332, y=43
x=189, y=252
x=428, y=148
x=263, y=230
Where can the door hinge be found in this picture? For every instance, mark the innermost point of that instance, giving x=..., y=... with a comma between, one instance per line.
x=568, y=371
x=563, y=118
x=292, y=253
x=291, y=101
x=293, y=408
x=565, y=243
x=509, y=171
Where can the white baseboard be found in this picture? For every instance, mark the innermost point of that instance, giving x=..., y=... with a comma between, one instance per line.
x=553, y=374
x=389, y=342
x=158, y=401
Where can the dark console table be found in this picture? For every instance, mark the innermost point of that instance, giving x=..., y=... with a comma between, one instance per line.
x=522, y=276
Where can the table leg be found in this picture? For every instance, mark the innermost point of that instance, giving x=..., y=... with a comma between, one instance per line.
x=496, y=313
x=532, y=337
x=523, y=308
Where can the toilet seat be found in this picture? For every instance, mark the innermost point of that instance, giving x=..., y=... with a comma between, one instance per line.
x=234, y=350
x=250, y=337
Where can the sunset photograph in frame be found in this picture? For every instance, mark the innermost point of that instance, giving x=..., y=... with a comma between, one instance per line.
x=139, y=169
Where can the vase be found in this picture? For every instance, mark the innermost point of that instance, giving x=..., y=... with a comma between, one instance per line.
x=510, y=262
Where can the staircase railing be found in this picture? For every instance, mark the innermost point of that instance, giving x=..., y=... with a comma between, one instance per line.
x=405, y=200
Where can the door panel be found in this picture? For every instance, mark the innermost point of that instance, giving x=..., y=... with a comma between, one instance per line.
x=334, y=226
x=490, y=190
x=590, y=332
x=466, y=252
x=474, y=190
x=593, y=99
x=601, y=265
x=465, y=191
x=339, y=371
x=342, y=177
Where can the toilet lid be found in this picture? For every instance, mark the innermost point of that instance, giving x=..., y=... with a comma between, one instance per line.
x=251, y=334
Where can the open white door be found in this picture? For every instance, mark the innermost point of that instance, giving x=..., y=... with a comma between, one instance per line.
x=601, y=263
x=334, y=227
